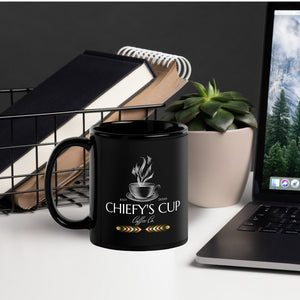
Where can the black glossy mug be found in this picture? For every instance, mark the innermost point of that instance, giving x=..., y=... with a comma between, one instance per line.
x=138, y=185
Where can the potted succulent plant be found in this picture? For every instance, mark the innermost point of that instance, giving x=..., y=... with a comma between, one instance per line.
x=220, y=142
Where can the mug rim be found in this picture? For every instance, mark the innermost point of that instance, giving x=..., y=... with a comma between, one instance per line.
x=174, y=129
x=142, y=184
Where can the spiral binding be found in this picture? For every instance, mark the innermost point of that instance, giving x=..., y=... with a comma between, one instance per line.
x=184, y=67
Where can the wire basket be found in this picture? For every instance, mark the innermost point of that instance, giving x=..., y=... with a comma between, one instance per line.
x=73, y=194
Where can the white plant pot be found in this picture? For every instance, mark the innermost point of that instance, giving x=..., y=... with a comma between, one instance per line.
x=218, y=166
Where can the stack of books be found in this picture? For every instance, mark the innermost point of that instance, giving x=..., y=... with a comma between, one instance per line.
x=92, y=80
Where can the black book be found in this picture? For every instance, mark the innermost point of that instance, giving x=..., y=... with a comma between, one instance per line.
x=91, y=80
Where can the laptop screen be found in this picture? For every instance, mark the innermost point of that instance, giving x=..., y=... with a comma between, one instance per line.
x=281, y=162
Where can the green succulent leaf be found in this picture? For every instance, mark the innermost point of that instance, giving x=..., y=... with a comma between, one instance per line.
x=247, y=119
x=223, y=98
x=220, y=98
x=213, y=82
x=210, y=90
x=175, y=106
x=197, y=125
x=232, y=127
x=210, y=107
x=168, y=116
x=193, y=101
x=240, y=99
x=200, y=88
x=183, y=97
x=221, y=121
x=186, y=115
x=233, y=96
x=237, y=106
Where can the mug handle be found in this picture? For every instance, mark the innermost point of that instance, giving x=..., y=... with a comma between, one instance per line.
x=56, y=215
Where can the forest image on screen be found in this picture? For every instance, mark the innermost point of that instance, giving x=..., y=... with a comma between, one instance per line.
x=282, y=149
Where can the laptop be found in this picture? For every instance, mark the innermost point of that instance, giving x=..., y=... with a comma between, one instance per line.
x=266, y=232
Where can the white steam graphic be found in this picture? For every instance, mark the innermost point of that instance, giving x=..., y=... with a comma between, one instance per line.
x=143, y=172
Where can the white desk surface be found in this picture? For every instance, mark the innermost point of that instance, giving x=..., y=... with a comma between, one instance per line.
x=41, y=260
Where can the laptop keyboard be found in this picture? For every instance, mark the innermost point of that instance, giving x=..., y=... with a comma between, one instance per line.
x=273, y=219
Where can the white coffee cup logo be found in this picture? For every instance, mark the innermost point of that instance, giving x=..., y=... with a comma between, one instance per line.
x=142, y=190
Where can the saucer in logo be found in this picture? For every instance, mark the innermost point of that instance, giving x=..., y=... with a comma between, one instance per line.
x=151, y=198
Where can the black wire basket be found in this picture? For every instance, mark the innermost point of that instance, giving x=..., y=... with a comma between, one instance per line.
x=72, y=194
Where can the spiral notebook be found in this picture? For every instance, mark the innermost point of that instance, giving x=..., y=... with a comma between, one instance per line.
x=172, y=73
